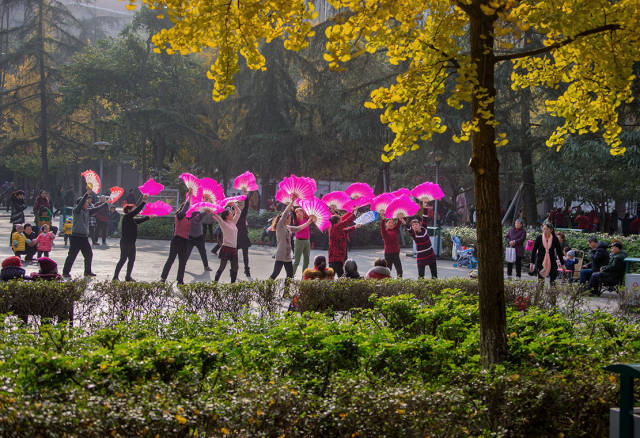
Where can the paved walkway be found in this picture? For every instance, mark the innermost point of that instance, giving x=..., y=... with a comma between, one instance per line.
x=152, y=254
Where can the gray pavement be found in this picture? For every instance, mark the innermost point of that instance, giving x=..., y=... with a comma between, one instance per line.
x=152, y=254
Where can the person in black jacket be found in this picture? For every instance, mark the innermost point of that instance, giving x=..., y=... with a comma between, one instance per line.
x=243, y=235
x=128, y=239
x=611, y=274
x=18, y=206
x=546, y=250
x=599, y=256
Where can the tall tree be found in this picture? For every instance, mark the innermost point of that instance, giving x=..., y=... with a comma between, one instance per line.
x=589, y=47
x=43, y=38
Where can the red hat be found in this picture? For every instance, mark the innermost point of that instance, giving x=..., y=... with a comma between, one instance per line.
x=47, y=266
x=11, y=261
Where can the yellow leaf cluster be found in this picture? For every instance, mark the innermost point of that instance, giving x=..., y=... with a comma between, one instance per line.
x=593, y=73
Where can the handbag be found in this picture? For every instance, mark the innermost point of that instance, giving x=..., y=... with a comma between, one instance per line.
x=529, y=246
x=510, y=254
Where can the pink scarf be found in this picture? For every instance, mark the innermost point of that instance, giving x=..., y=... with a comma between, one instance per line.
x=546, y=263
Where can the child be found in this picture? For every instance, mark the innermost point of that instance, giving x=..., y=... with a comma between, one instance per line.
x=570, y=263
x=44, y=241
x=66, y=229
x=425, y=255
x=18, y=241
x=43, y=217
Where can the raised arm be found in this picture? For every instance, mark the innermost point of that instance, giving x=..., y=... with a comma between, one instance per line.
x=80, y=203
x=180, y=214
x=295, y=229
x=138, y=209
x=284, y=215
x=236, y=213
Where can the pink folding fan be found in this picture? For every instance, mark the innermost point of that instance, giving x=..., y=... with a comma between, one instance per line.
x=381, y=202
x=93, y=180
x=402, y=206
x=246, y=181
x=359, y=190
x=116, y=193
x=315, y=207
x=336, y=200
x=427, y=191
x=151, y=187
x=157, y=208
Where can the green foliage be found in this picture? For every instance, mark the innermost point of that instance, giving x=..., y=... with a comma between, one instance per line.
x=157, y=228
x=401, y=368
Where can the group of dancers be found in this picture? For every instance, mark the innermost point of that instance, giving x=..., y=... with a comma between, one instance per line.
x=292, y=222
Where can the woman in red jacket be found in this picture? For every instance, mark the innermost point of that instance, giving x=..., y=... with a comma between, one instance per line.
x=338, y=241
x=390, y=230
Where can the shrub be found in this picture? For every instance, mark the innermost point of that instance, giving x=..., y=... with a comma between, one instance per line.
x=157, y=228
x=402, y=368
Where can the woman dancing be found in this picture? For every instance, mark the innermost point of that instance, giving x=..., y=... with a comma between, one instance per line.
x=283, y=237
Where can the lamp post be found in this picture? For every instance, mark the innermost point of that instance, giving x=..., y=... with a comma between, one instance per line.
x=102, y=146
x=437, y=158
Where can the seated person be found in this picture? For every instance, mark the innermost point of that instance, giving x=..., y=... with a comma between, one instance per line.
x=319, y=270
x=48, y=270
x=611, y=274
x=379, y=271
x=599, y=257
x=351, y=270
x=12, y=269
x=570, y=261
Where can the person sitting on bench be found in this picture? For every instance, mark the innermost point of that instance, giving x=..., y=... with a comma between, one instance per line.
x=613, y=273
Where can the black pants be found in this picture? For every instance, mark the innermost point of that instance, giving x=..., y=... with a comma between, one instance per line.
x=101, y=232
x=393, y=259
x=228, y=255
x=198, y=242
x=29, y=252
x=518, y=267
x=127, y=254
x=78, y=244
x=338, y=268
x=93, y=233
x=178, y=247
x=433, y=267
x=40, y=253
x=277, y=267
x=245, y=261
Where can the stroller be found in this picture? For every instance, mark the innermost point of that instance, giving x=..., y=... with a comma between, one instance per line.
x=465, y=257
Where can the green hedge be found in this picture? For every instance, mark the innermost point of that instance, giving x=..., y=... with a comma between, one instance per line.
x=402, y=368
x=47, y=299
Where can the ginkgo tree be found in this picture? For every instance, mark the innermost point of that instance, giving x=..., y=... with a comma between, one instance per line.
x=587, y=51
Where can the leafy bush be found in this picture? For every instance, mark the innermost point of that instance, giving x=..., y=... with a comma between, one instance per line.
x=401, y=368
x=157, y=228
x=47, y=299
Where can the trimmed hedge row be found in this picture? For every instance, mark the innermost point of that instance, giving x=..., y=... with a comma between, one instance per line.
x=108, y=301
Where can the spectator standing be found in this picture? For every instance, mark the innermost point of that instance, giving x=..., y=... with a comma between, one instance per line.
x=546, y=250
x=515, y=239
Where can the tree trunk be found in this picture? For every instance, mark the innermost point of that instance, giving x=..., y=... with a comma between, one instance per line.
x=43, y=97
x=485, y=165
x=529, y=202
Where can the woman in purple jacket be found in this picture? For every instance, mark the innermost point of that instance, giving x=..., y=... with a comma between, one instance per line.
x=515, y=238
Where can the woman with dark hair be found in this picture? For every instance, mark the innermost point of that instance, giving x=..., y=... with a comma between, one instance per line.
x=229, y=250
x=180, y=242
x=319, y=270
x=546, y=250
x=18, y=206
x=128, y=238
x=351, y=270
x=338, y=233
x=243, y=234
x=283, y=229
x=424, y=252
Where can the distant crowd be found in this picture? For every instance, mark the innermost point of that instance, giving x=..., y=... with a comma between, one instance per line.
x=593, y=222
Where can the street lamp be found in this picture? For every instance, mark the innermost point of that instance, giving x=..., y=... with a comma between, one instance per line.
x=102, y=146
x=437, y=157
